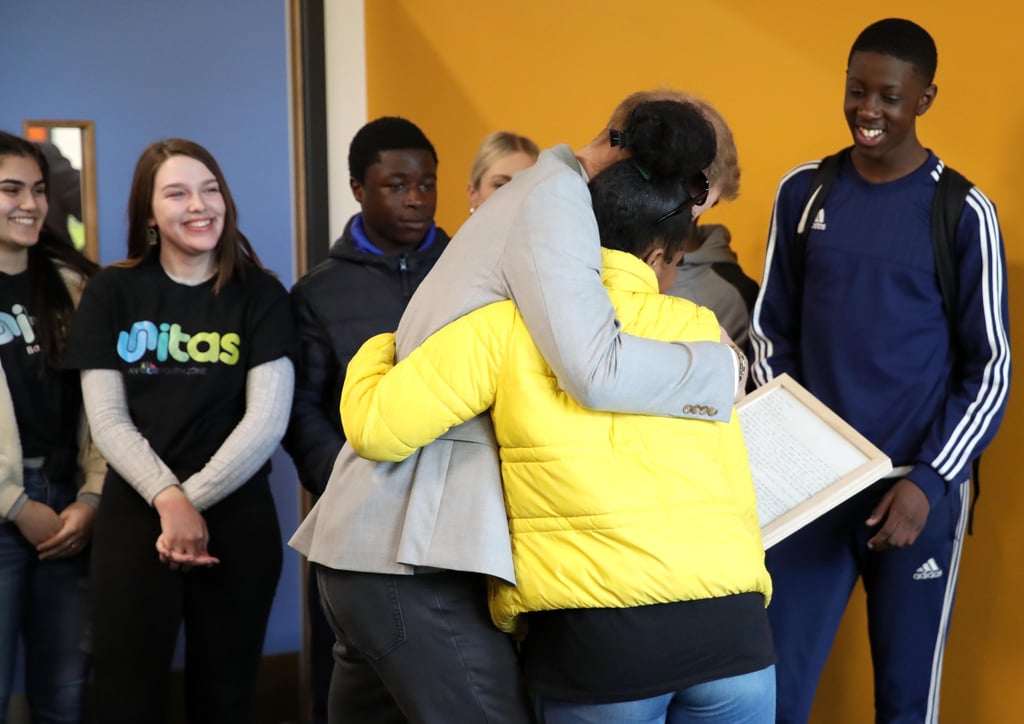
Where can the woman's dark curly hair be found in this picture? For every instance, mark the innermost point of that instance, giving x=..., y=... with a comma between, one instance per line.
x=669, y=144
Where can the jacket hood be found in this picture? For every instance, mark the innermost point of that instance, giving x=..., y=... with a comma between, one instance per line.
x=625, y=272
x=714, y=246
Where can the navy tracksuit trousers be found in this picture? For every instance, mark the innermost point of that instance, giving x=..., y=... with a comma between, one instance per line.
x=910, y=595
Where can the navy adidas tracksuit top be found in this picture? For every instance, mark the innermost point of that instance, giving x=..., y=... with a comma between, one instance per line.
x=859, y=322
x=864, y=328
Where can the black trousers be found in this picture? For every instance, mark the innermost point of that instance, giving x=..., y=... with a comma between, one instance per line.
x=321, y=645
x=420, y=649
x=139, y=605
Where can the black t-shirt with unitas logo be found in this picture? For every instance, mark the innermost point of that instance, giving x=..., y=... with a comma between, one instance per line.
x=184, y=351
x=46, y=402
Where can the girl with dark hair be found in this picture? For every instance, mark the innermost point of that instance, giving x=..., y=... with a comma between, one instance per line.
x=640, y=586
x=50, y=473
x=187, y=382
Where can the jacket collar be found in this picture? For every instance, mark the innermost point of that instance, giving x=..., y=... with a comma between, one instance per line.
x=625, y=272
x=564, y=154
x=361, y=241
x=345, y=249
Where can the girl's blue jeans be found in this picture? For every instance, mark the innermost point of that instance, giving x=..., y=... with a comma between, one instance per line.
x=745, y=699
x=45, y=604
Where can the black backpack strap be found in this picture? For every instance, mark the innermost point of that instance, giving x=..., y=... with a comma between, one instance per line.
x=826, y=173
x=950, y=196
x=947, y=206
x=828, y=170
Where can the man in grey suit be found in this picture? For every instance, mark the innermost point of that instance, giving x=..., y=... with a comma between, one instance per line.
x=398, y=547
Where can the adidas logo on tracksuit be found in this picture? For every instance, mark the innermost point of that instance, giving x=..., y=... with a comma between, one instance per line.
x=819, y=221
x=928, y=569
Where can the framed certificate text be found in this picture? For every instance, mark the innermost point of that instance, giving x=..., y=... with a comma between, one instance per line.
x=805, y=459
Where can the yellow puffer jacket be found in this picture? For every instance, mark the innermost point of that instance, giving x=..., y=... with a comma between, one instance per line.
x=605, y=509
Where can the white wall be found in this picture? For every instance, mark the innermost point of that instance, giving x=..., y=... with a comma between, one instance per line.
x=345, y=49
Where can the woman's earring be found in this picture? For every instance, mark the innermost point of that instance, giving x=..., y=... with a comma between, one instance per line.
x=472, y=209
x=152, y=235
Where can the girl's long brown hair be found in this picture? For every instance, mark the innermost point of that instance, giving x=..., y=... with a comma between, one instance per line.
x=233, y=253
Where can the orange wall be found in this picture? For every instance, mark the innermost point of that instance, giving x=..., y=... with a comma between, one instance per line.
x=553, y=69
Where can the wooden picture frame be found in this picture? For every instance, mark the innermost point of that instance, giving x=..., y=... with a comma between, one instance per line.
x=804, y=458
x=83, y=160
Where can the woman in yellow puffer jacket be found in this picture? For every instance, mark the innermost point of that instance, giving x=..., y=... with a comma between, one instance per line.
x=640, y=580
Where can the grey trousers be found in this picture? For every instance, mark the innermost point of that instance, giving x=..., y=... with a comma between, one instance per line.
x=420, y=649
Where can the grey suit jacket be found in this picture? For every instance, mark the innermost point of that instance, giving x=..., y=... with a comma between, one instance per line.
x=535, y=241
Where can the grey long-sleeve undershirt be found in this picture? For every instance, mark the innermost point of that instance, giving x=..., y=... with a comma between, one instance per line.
x=268, y=401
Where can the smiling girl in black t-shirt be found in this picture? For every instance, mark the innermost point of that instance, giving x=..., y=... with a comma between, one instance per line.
x=186, y=378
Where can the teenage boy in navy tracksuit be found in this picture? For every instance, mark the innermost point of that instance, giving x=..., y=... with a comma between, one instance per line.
x=859, y=321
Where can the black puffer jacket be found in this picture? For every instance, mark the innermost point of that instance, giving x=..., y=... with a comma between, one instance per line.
x=339, y=304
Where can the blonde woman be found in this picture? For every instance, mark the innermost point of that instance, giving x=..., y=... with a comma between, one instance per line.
x=500, y=157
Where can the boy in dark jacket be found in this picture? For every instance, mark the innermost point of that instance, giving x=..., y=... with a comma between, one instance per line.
x=359, y=291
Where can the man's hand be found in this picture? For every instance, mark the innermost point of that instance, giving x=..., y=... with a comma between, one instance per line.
x=73, y=537
x=904, y=510
x=37, y=522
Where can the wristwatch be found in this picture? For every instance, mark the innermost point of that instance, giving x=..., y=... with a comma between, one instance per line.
x=741, y=364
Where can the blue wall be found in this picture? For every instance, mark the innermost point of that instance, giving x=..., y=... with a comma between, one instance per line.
x=214, y=71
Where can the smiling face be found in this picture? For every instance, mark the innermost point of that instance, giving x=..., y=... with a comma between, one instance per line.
x=498, y=174
x=188, y=209
x=22, y=205
x=884, y=96
x=398, y=196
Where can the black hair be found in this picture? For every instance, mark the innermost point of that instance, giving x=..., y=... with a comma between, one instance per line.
x=51, y=302
x=11, y=145
x=628, y=206
x=901, y=39
x=389, y=133
x=669, y=139
x=49, y=298
x=669, y=143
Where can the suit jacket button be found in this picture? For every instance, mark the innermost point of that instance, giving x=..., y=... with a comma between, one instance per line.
x=688, y=409
x=712, y=411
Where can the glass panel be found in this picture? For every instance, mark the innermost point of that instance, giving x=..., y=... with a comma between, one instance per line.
x=70, y=153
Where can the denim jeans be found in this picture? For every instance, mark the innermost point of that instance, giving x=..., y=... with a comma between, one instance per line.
x=744, y=699
x=45, y=603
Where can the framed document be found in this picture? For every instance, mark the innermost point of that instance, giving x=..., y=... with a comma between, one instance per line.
x=805, y=459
